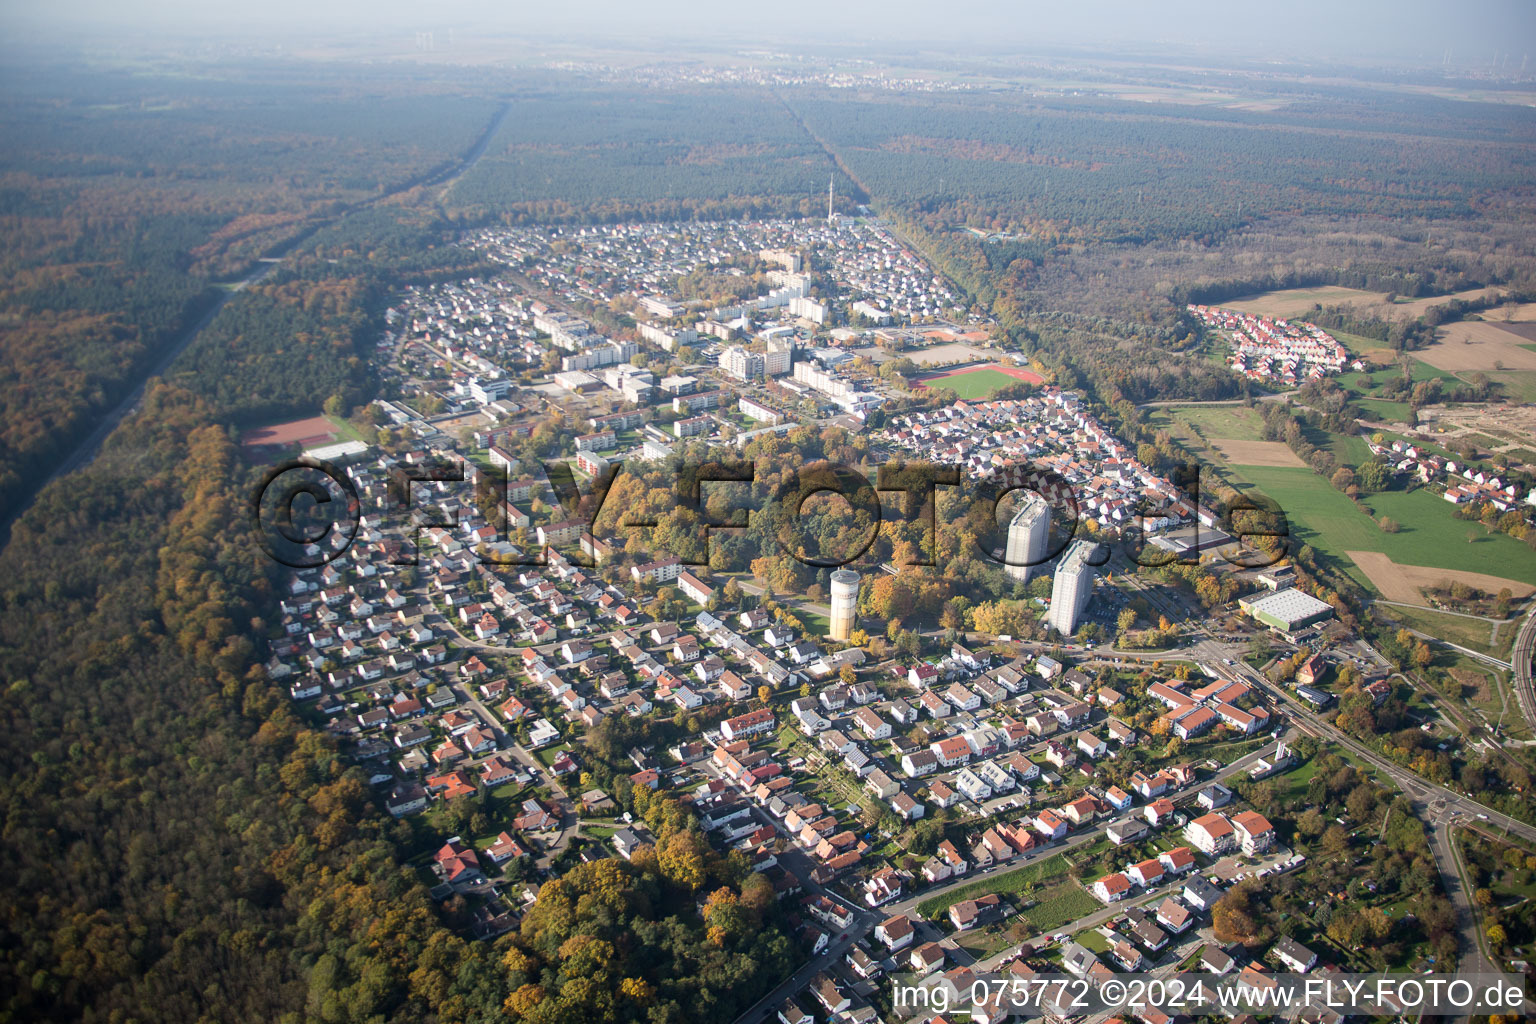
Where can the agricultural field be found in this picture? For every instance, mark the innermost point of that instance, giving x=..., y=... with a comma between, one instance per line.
x=1256, y=453
x=1398, y=582
x=1479, y=345
x=1328, y=521
x=1238, y=422
x=1515, y=385
x=1297, y=302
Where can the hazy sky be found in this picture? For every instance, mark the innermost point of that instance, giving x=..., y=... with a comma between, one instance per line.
x=1474, y=30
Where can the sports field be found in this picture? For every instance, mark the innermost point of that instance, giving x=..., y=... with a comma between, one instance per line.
x=982, y=382
x=277, y=438
x=1327, y=520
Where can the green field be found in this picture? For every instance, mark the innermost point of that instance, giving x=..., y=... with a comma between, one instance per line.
x=345, y=431
x=1060, y=904
x=1013, y=881
x=815, y=622
x=1364, y=385
x=1349, y=449
x=1330, y=523
x=1516, y=385
x=975, y=384
x=1380, y=410
x=1233, y=422
x=1475, y=634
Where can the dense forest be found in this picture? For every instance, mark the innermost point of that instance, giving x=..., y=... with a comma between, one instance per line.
x=600, y=154
x=124, y=197
x=1097, y=169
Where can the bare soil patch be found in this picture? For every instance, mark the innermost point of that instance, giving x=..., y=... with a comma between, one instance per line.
x=1256, y=453
x=1402, y=582
x=1478, y=345
x=946, y=353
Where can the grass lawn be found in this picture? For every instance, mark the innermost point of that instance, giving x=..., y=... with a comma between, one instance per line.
x=548, y=755
x=1296, y=781
x=816, y=623
x=1456, y=629
x=345, y=431
x=1516, y=385
x=1060, y=904
x=1092, y=939
x=983, y=942
x=1009, y=882
x=1234, y=422
x=507, y=792
x=1322, y=517
x=975, y=384
x=1484, y=690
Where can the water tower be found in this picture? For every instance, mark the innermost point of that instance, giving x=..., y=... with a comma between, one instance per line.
x=845, y=599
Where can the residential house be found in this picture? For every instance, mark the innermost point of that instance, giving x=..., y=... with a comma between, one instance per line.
x=1211, y=834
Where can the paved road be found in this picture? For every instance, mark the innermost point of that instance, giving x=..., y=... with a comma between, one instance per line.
x=1440, y=807
x=1442, y=846
x=866, y=921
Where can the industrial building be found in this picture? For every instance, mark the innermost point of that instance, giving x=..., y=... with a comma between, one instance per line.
x=1286, y=610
